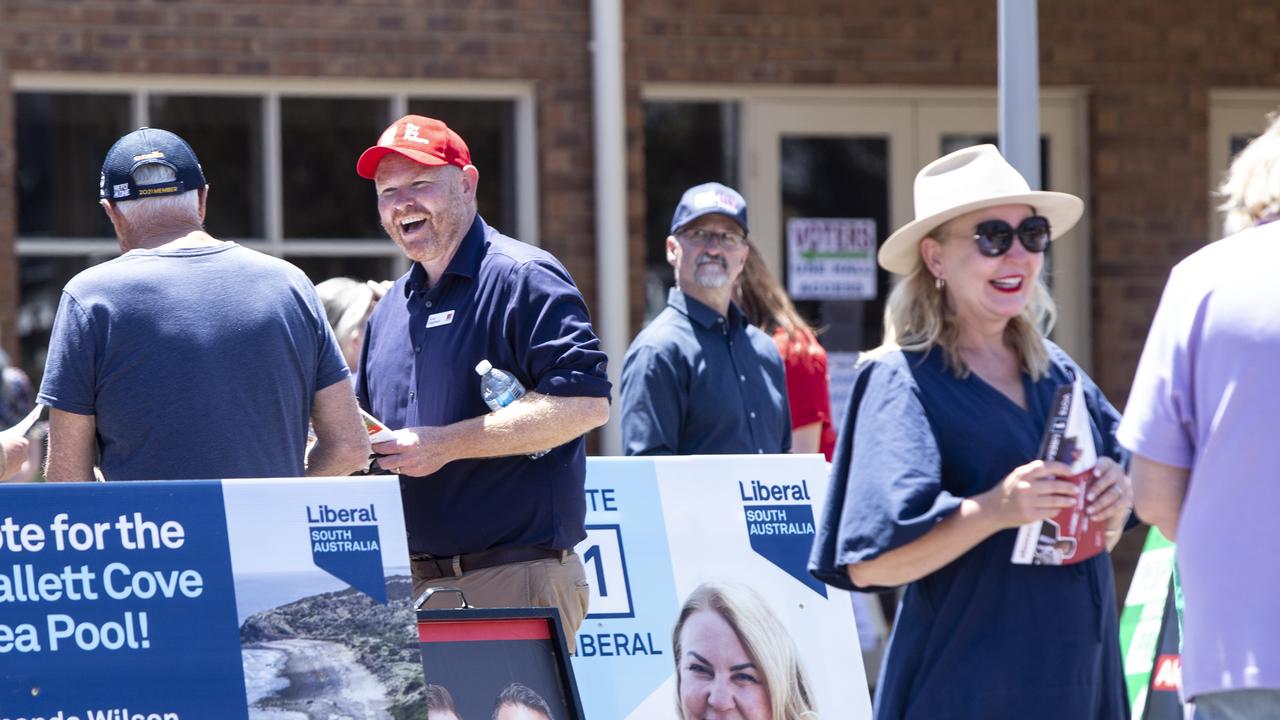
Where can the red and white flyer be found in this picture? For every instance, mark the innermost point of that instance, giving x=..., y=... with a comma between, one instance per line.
x=378, y=432
x=1070, y=536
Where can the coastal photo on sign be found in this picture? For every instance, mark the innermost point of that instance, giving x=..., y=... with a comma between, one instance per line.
x=326, y=630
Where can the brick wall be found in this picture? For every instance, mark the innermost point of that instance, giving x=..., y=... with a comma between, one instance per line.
x=1148, y=68
x=544, y=41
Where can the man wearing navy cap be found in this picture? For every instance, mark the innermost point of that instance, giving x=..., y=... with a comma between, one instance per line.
x=481, y=514
x=189, y=357
x=700, y=379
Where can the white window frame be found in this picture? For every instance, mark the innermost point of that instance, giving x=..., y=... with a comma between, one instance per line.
x=398, y=93
x=1232, y=112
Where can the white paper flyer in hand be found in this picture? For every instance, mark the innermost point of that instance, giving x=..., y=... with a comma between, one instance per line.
x=378, y=432
x=1070, y=536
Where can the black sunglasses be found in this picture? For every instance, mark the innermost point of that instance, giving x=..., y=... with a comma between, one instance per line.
x=995, y=237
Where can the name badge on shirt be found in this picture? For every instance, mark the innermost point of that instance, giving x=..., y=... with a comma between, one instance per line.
x=440, y=318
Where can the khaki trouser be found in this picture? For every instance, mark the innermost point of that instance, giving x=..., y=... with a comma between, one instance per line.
x=560, y=584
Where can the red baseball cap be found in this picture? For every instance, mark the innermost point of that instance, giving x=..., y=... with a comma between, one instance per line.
x=421, y=139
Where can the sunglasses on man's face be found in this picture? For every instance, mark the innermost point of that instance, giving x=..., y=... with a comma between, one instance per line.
x=995, y=237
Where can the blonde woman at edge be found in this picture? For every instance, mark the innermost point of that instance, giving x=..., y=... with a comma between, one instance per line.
x=935, y=467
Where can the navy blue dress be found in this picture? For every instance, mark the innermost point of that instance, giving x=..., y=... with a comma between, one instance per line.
x=980, y=637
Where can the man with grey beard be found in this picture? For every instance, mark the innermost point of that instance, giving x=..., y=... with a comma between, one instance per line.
x=700, y=379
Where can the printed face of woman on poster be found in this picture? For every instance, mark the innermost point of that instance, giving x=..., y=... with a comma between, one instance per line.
x=717, y=678
x=735, y=659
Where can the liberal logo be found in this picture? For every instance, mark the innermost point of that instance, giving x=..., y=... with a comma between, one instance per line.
x=345, y=544
x=780, y=526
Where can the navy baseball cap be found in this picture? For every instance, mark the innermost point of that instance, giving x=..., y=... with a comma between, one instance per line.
x=710, y=198
x=140, y=147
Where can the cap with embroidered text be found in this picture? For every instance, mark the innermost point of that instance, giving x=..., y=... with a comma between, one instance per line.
x=142, y=147
x=706, y=199
x=424, y=140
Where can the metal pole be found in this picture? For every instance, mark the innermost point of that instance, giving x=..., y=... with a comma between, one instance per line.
x=1019, y=78
x=613, y=323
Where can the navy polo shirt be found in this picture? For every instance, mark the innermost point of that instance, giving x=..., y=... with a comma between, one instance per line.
x=514, y=305
x=697, y=383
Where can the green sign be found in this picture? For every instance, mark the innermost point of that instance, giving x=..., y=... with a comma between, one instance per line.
x=1144, y=617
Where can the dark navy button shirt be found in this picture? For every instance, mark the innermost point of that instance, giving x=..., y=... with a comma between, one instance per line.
x=516, y=306
x=697, y=383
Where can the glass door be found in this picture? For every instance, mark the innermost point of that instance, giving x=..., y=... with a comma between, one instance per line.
x=826, y=182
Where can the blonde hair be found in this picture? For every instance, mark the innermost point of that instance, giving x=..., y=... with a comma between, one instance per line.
x=1251, y=189
x=763, y=637
x=917, y=318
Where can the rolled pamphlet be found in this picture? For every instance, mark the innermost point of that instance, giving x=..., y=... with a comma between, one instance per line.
x=1070, y=536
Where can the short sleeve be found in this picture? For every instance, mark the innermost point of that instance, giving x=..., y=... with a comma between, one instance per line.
x=1159, y=421
x=70, y=372
x=652, y=402
x=886, y=485
x=552, y=336
x=331, y=366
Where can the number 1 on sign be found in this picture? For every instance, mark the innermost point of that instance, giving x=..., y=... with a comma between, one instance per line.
x=602, y=554
x=592, y=557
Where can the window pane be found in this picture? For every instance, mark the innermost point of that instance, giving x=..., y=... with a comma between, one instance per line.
x=841, y=177
x=685, y=143
x=40, y=283
x=62, y=139
x=321, y=138
x=488, y=128
x=320, y=269
x=226, y=134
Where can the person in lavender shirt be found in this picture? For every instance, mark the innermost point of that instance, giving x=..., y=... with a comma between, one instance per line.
x=1200, y=421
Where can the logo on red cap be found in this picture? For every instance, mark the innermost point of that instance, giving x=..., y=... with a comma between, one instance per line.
x=421, y=139
x=411, y=133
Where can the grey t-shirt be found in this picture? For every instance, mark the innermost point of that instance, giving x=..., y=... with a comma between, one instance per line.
x=197, y=363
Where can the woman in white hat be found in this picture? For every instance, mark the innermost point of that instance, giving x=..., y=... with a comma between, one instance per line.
x=935, y=469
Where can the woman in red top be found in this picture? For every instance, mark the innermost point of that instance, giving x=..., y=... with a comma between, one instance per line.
x=808, y=390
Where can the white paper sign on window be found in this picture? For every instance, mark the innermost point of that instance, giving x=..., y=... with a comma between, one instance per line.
x=831, y=258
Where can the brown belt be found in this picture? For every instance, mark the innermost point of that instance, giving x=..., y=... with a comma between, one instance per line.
x=431, y=567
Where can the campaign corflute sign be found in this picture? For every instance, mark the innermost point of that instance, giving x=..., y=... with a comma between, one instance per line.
x=665, y=533
x=203, y=599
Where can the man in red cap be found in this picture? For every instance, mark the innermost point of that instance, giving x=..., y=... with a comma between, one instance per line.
x=484, y=510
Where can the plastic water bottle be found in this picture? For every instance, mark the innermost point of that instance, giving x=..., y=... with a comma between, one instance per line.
x=499, y=389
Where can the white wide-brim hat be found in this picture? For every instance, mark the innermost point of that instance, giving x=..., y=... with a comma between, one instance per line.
x=967, y=180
